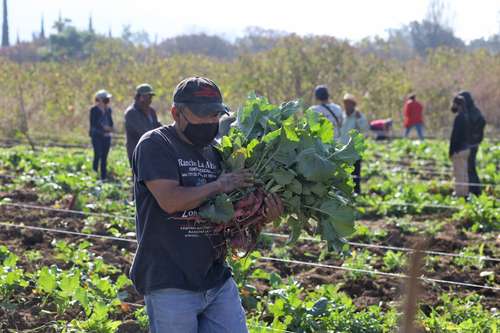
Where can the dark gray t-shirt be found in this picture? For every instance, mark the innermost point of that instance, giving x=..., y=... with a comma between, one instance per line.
x=174, y=252
x=136, y=124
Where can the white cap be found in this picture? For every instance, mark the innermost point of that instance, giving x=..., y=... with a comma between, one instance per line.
x=102, y=94
x=349, y=97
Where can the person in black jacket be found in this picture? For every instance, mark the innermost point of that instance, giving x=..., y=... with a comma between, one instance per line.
x=101, y=127
x=477, y=124
x=459, y=146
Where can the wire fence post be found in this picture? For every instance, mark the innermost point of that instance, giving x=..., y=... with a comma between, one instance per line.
x=412, y=290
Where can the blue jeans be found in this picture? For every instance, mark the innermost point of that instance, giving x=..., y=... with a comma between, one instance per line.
x=419, y=128
x=216, y=310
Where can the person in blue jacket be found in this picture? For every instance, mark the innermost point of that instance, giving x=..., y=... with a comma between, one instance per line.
x=101, y=127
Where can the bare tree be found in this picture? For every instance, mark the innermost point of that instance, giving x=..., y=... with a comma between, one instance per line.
x=42, y=28
x=498, y=21
x=439, y=13
x=5, y=26
x=435, y=29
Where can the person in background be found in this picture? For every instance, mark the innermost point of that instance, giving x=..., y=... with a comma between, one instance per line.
x=140, y=117
x=353, y=119
x=381, y=128
x=459, y=146
x=331, y=111
x=477, y=124
x=413, y=116
x=101, y=127
x=225, y=123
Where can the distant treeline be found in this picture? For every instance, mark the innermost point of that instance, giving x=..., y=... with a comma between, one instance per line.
x=409, y=41
x=48, y=84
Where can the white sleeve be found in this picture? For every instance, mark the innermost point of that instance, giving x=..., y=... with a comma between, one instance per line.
x=363, y=124
x=340, y=115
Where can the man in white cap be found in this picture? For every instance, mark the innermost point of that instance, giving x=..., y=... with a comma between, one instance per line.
x=353, y=119
x=101, y=127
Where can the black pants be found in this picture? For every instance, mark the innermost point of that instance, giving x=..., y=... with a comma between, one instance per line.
x=357, y=177
x=101, y=145
x=472, y=172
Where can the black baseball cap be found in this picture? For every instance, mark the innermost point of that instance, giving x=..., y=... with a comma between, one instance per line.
x=321, y=93
x=201, y=95
x=144, y=89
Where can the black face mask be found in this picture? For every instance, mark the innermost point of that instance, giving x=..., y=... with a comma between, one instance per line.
x=454, y=109
x=200, y=134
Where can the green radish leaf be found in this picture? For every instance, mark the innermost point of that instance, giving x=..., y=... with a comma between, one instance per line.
x=69, y=283
x=220, y=210
x=272, y=136
x=122, y=281
x=283, y=177
x=81, y=295
x=341, y=217
x=319, y=189
x=47, y=280
x=247, y=117
x=288, y=109
x=236, y=160
x=347, y=153
x=295, y=186
x=314, y=167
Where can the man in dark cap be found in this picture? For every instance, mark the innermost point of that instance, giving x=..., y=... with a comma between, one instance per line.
x=179, y=265
x=476, y=124
x=140, y=117
x=330, y=110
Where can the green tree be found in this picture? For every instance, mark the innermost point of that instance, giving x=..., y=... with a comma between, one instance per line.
x=5, y=26
x=91, y=26
x=69, y=42
x=42, y=29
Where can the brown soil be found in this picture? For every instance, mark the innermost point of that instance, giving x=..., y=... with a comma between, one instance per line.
x=365, y=290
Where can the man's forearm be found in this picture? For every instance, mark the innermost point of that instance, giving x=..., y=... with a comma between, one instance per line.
x=180, y=198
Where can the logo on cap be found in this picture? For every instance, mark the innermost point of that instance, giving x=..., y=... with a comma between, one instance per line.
x=206, y=91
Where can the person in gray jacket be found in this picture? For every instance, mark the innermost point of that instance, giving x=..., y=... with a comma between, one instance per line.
x=140, y=117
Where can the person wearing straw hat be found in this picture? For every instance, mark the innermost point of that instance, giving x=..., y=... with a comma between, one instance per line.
x=140, y=117
x=101, y=127
x=353, y=119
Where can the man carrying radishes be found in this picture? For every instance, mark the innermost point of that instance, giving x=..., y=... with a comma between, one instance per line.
x=180, y=264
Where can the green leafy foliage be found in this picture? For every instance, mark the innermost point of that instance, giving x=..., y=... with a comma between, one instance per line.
x=219, y=211
x=460, y=315
x=72, y=288
x=11, y=276
x=480, y=214
x=294, y=156
x=359, y=260
x=394, y=261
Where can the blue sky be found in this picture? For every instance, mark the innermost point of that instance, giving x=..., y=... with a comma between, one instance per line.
x=349, y=19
